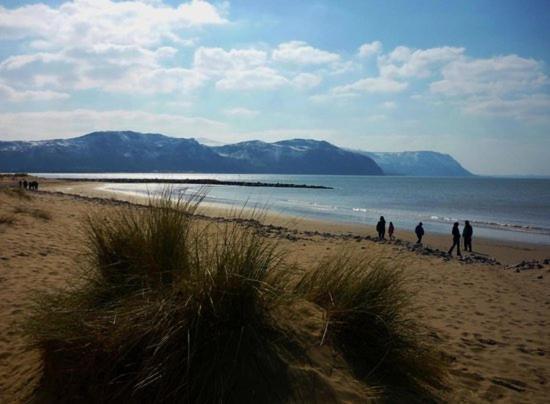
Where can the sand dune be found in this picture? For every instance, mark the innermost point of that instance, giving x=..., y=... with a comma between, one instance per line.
x=491, y=321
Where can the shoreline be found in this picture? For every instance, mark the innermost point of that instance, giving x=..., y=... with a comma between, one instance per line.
x=355, y=205
x=485, y=249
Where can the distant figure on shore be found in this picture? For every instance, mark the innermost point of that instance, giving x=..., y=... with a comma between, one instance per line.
x=33, y=185
x=419, y=233
x=391, y=230
x=25, y=184
x=456, y=240
x=381, y=228
x=467, y=234
x=20, y=184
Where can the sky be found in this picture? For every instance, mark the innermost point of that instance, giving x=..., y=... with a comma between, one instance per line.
x=468, y=77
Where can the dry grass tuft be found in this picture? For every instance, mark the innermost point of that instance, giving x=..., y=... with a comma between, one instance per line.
x=370, y=320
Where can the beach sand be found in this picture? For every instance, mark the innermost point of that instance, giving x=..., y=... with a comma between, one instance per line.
x=492, y=321
x=506, y=252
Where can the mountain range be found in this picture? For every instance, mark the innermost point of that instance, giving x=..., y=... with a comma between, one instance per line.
x=126, y=151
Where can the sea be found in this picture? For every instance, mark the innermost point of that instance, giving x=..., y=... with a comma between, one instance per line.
x=511, y=209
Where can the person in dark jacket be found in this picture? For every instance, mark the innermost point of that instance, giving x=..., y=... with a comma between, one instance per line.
x=456, y=240
x=381, y=228
x=391, y=230
x=419, y=233
x=467, y=234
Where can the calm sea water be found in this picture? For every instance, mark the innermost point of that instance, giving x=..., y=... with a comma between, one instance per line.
x=500, y=208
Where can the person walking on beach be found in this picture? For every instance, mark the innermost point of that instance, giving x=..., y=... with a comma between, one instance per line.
x=419, y=233
x=467, y=234
x=391, y=229
x=381, y=228
x=456, y=240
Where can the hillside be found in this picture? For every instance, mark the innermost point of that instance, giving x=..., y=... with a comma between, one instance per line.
x=137, y=152
x=299, y=156
x=127, y=151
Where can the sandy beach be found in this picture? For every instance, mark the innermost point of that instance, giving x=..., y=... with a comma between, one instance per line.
x=505, y=252
x=490, y=317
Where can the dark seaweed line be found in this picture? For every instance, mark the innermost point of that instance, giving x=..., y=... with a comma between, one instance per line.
x=195, y=181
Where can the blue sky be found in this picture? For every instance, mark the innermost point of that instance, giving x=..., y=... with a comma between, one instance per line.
x=469, y=78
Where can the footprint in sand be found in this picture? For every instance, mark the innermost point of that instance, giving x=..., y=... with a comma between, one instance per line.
x=470, y=379
x=511, y=384
x=494, y=393
x=540, y=376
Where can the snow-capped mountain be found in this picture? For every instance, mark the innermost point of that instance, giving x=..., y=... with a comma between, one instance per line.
x=112, y=151
x=138, y=152
x=299, y=156
x=418, y=163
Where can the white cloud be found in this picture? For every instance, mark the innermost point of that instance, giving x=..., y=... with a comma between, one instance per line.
x=260, y=78
x=376, y=118
x=534, y=108
x=63, y=124
x=333, y=97
x=115, y=46
x=343, y=67
x=498, y=75
x=8, y=93
x=372, y=85
x=111, y=69
x=39, y=70
x=502, y=86
x=241, y=112
x=368, y=49
x=420, y=63
x=298, y=52
x=161, y=80
x=307, y=80
x=90, y=22
x=216, y=61
x=388, y=105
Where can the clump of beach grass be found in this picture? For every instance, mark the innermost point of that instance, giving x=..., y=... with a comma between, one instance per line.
x=171, y=308
x=370, y=320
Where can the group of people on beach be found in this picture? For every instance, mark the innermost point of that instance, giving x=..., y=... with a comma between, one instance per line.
x=30, y=185
x=467, y=234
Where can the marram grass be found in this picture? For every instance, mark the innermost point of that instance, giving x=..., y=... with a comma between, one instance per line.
x=175, y=309
x=369, y=318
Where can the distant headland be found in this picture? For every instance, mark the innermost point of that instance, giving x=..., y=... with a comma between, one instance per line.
x=126, y=151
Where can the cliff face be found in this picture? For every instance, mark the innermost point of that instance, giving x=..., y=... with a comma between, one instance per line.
x=419, y=163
